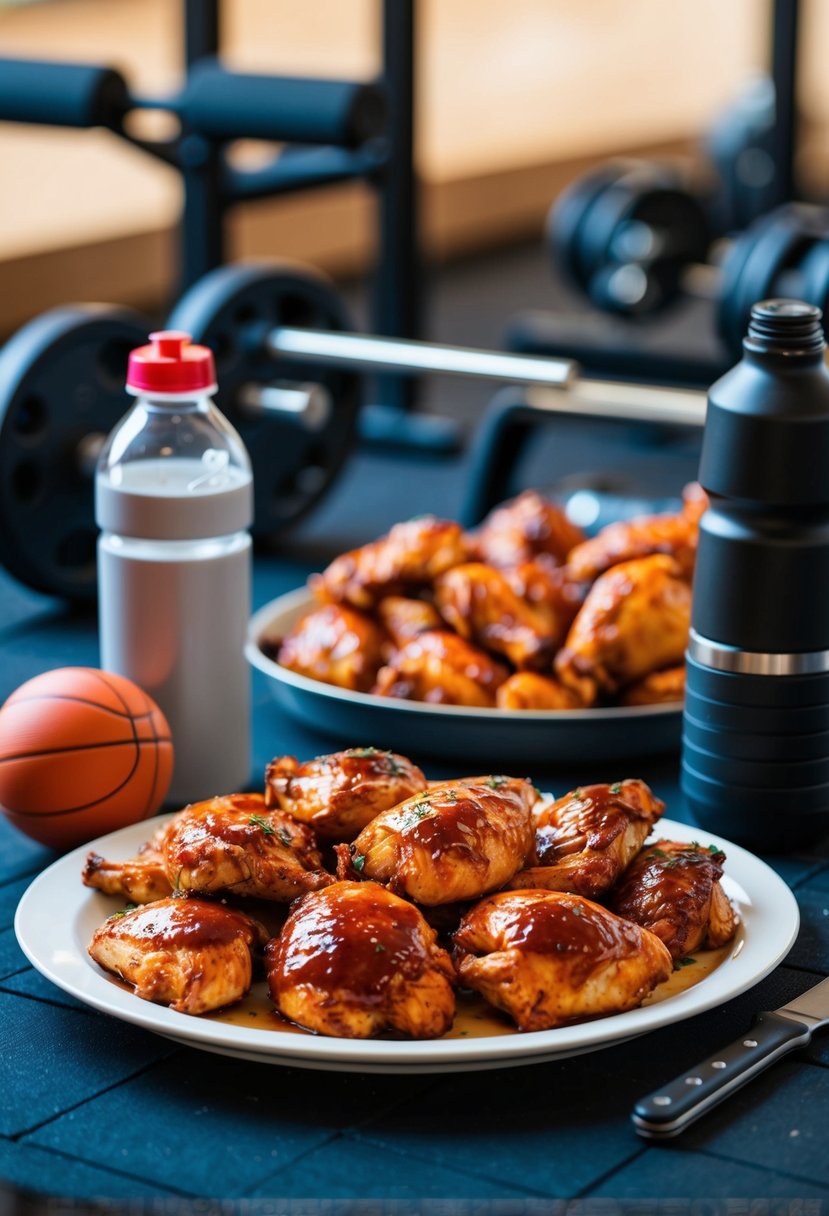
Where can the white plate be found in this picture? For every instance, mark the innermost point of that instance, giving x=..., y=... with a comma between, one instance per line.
x=526, y=736
x=57, y=916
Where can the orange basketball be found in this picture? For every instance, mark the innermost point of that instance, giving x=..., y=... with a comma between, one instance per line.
x=82, y=752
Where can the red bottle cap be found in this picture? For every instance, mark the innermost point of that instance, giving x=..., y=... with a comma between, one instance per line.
x=172, y=364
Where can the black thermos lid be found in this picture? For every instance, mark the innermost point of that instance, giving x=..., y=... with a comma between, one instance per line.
x=766, y=435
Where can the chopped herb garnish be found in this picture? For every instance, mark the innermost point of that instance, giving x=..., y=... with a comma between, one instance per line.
x=683, y=962
x=495, y=783
x=616, y=789
x=284, y=837
x=579, y=793
x=712, y=848
x=257, y=821
x=362, y=753
x=358, y=861
x=379, y=948
x=417, y=812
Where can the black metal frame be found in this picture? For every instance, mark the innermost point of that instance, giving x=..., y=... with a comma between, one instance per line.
x=366, y=145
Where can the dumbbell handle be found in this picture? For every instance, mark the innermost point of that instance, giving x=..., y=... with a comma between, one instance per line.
x=365, y=352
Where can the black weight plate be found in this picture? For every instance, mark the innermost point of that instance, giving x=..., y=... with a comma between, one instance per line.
x=629, y=197
x=814, y=271
x=61, y=381
x=231, y=310
x=568, y=215
x=754, y=263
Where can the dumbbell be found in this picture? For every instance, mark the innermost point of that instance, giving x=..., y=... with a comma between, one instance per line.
x=625, y=233
x=628, y=236
x=62, y=391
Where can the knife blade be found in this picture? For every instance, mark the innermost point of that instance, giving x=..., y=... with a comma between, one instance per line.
x=670, y=1109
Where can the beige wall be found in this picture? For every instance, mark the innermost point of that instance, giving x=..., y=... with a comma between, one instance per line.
x=513, y=95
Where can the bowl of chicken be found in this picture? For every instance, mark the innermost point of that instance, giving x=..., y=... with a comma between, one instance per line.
x=524, y=641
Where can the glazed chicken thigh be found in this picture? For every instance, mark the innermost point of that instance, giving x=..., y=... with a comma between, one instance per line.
x=523, y=528
x=674, y=890
x=532, y=690
x=455, y=842
x=439, y=667
x=675, y=535
x=412, y=554
x=635, y=620
x=140, y=879
x=186, y=953
x=336, y=645
x=354, y=961
x=404, y=618
x=547, y=958
x=586, y=839
x=339, y=794
x=478, y=602
x=237, y=844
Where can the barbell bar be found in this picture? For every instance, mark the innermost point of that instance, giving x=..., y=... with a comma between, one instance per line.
x=598, y=398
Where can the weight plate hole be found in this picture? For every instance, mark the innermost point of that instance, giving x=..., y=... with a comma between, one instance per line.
x=76, y=548
x=30, y=416
x=26, y=481
x=295, y=311
x=112, y=364
x=246, y=314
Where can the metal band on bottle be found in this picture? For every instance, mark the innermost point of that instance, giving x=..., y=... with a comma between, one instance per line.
x=753, y=662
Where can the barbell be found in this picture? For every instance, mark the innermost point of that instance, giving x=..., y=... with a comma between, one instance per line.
x=289, y=371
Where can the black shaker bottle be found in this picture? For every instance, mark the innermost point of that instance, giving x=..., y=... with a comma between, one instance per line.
x=755, y=742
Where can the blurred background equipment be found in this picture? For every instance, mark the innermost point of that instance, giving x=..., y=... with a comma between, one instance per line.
x=299, y=386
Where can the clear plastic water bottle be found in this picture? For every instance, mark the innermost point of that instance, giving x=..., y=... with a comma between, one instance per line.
x=174, y=500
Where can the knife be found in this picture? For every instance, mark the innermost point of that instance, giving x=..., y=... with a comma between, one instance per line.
x=669, y=1110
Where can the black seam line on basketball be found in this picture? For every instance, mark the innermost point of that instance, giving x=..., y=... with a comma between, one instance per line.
x=72, y=810
x=85, y=747
x=100, y=676
x=51, y=696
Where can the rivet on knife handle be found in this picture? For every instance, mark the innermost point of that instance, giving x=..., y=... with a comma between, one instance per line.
x=669, y=1110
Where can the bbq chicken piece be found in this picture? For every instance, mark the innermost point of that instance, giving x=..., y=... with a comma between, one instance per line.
x=457, y=841
x=635, y=620
x=237, y=844
x=404, y=618
x=548, y=589
x=440, y=667
x=586, y=839
x=530, y=690
x=674, y=890
x=339, y=794
x=186, y=953
x=141, y=879
x=480, y=605
x=355, y=961
x=547, y=958
x=659, y=688
x=336, y=645
x=524, y=527
x=673, y=534
x=411, y=555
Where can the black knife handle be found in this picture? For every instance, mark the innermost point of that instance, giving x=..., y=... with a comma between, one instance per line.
x=669, y=1110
